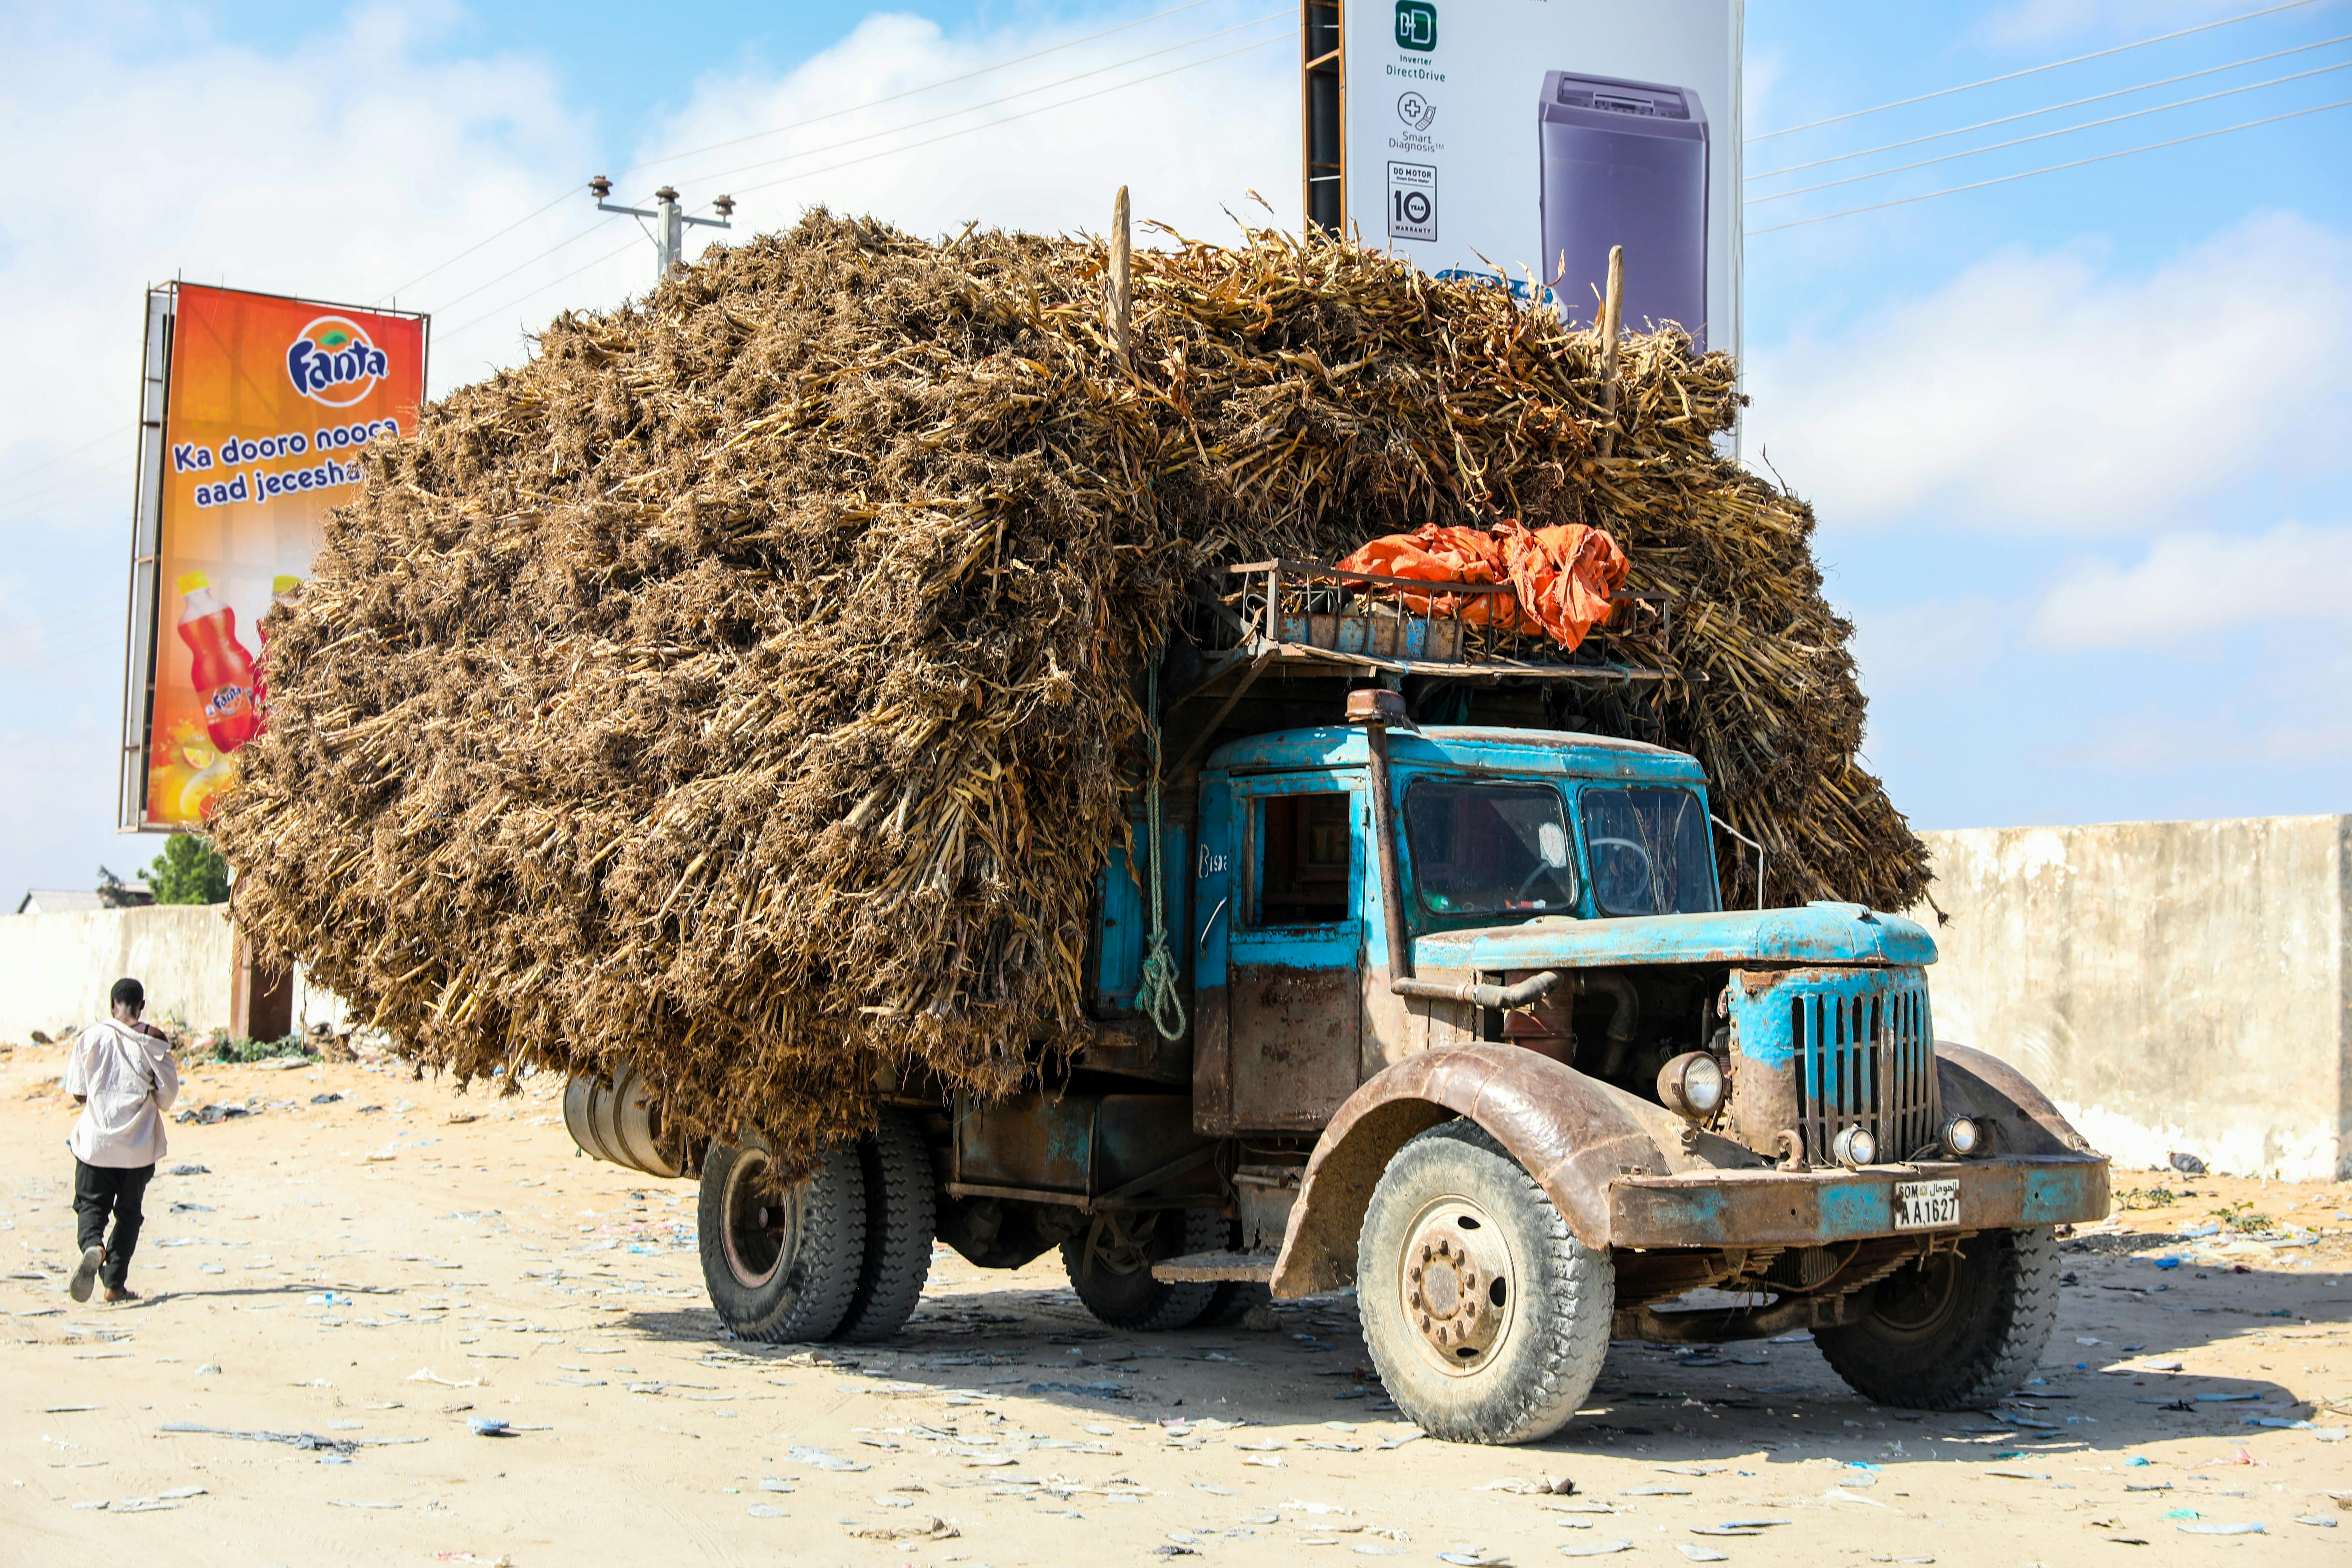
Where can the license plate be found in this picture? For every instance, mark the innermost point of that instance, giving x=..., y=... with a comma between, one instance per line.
x=1926, y=1206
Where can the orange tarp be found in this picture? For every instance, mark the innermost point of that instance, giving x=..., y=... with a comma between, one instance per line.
x=1564, y=576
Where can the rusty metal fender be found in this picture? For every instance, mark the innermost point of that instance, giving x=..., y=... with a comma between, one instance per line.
x=1974, y=1084
x=1574, y=1135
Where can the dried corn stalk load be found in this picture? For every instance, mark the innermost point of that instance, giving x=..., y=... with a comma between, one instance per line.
x=744, y=687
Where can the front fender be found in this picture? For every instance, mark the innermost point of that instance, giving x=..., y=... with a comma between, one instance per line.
x=1574, y=1135
x=1974, y=1084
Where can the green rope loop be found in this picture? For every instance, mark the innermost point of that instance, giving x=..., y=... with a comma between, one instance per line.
x=1157, y=995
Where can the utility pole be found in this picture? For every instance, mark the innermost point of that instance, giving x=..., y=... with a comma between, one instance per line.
x=669, y=222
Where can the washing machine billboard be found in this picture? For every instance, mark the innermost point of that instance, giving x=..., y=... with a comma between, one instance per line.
x=1521, y=139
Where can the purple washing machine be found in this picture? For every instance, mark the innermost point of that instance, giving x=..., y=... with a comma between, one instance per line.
x=1625, y=162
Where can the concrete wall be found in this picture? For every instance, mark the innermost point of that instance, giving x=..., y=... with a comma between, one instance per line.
x=2173, y=985
x=55, y=969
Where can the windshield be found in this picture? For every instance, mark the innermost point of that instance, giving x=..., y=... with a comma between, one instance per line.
x=1486, y=849
x=1650, y=852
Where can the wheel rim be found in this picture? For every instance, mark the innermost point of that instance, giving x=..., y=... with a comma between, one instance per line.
x=1915, y=1303
x=757, y=1222
x=1456, y=1285
x=1114, y=1249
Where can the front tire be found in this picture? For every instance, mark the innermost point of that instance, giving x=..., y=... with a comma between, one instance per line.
x=1109, y=1264
x=1957, y=1331
x=1486, y=1318
x=780, y=1266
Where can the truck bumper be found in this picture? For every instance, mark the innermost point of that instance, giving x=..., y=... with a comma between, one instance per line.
x=1809, y=1208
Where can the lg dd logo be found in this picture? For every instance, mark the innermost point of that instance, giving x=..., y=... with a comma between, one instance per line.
x=1416, y=26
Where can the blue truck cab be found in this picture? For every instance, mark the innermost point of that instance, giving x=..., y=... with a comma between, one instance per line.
x=1450, y=1012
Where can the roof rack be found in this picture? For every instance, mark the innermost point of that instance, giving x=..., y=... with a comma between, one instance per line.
x=1303, y=610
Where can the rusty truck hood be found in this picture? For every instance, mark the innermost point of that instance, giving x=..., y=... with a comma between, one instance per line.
x=1816, y=933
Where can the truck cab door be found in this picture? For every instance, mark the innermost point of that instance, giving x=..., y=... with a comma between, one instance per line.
x=1288, y=1050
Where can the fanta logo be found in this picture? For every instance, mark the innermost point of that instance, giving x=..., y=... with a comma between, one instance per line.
x=332, y=361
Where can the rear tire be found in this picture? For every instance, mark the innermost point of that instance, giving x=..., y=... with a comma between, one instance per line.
x=1109, y=1264
x=1956, y=1331
x=1486, y=1318
x=781, y=1266
x=901, y=1218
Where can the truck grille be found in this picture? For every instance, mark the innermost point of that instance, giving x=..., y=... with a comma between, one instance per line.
x=1865, y=1058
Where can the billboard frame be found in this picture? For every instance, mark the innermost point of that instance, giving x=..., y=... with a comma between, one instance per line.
x=1323, y=116
x=143, y=630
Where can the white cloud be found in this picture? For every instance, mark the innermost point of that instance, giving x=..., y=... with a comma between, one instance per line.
x=2039, y=393
x=1191, y=144
x=1940, y=643
x=338, y=168
x=2191, y=586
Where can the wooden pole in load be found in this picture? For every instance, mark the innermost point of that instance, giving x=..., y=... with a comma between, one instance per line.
x=1119, y=298
x=1612, y=311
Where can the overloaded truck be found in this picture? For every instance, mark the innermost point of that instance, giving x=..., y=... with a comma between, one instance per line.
x=1414, y=980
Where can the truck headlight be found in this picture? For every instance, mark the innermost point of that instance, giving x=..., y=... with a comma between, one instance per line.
x=1962, y=1137
x=1692, y=1084
x=1856, y=1147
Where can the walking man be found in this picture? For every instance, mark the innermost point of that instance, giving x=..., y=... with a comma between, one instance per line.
x=122, y=1075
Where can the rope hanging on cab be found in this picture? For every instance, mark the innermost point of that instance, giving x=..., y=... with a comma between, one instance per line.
x=1157, y=995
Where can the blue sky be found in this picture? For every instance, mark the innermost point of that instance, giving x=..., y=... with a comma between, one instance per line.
x=2075, y=439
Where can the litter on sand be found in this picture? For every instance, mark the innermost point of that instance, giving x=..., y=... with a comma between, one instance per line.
x=819, y=1458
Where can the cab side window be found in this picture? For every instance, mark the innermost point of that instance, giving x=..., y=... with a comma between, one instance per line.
x=1299, y=849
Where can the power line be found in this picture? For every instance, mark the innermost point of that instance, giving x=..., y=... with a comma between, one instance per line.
x=79, y=646
x=599, y=226
x=542, y=289
x=913, y=92
x=2029, y=70
x=88, y=485
x=59, y=627
x=990, y=103
x=570, y=191
x=2042, y=135
x=2051, y=109
x=32, y=500
x=50, y=622
x=815, y=151
x=73, y=452
x=885, y=152
x=2005, y=179
x=1024, y=114
x=71, y=655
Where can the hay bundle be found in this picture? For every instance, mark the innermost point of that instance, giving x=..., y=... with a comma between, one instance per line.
x=743, y=686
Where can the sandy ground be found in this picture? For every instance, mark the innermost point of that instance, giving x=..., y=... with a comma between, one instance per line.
x=368, y=1275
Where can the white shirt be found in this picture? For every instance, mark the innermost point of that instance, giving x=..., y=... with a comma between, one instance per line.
x=129, y=1080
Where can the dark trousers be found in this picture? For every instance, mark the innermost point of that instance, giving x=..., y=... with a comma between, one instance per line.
x=102, y=1190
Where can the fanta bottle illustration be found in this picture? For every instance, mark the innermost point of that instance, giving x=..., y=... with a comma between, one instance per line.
x=223, y=675
x=283, y=589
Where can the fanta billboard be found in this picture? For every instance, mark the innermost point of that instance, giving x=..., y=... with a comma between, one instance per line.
x=265, y=404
